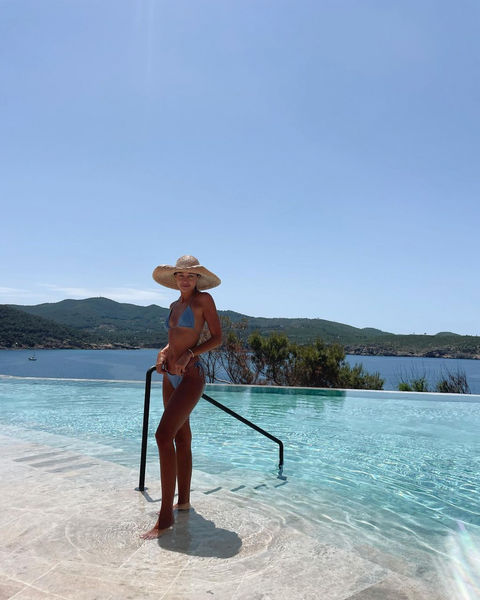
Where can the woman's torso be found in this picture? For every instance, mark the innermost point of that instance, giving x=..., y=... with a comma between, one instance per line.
x=184, y=324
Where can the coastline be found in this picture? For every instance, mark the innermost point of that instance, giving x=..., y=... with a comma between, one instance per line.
x=443, y=353
x=438, y=353
x=112, y=346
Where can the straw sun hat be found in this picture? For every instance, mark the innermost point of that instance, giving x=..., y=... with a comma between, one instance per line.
x=165, y=274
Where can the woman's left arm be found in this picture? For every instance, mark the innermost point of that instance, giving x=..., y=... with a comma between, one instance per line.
x=214, y=326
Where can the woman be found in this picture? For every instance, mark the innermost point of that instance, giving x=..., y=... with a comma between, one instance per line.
x=183, y=378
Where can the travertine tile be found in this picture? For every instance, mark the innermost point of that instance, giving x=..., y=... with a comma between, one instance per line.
x=54, y=461
x=32, y=593
x=75, y=535
x=316, y=572
x=190, y=587
x=23, y=568
x=29, y=458
x=399, y=587
x=84, y=539
x=9, y=514
x=31, y=526
x=78, y=584
x=9, y=587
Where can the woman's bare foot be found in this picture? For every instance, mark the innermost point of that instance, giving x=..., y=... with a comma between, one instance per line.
x=186, y=506
x=157, y=531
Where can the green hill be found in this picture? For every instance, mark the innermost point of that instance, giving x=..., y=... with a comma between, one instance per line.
x=111, y=321
x=95, y=314
x=107, y=322
x=100, y=322
x=445, y=345
x=308, y=330
x=21, y=330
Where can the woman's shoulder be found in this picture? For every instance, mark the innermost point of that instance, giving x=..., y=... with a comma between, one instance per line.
x=203, y=299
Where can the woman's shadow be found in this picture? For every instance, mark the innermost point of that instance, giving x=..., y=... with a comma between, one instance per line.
x=195, y=535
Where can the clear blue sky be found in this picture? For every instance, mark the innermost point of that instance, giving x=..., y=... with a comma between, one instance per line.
x=322, y=157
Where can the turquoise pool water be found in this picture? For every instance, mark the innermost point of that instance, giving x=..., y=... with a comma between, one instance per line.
x=400, y=469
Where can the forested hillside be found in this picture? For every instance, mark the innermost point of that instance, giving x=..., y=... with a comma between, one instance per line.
x=102, y=323
x=21, y=330
x=143, y=325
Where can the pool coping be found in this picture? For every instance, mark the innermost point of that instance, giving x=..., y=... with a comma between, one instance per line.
x=341, y=392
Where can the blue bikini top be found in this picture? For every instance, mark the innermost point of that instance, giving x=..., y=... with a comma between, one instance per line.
x=186, y=319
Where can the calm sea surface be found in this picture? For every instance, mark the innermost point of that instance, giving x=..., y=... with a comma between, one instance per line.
x=132, y=365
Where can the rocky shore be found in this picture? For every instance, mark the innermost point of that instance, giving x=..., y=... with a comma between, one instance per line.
x=364, y=350
x=437, y=353
x=69, y=346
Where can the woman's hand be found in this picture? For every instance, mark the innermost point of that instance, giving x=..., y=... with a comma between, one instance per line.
x=182, y=363
x=161, y=359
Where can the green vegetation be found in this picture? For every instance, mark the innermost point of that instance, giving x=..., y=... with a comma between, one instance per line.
x=276, y=360
x=114, y=321
x=304, y=331
x=441, y=345
x=453, y=383
x=114, y=324
x=449, y=382
x=286, y=363
x=97, y=322
x=19, y=330
x=414, y=385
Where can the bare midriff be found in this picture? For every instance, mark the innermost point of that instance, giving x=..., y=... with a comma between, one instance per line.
x=180, y=340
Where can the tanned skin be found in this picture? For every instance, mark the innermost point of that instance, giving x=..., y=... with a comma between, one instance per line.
x=173, y=436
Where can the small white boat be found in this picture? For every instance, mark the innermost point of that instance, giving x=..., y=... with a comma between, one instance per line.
x=32, y=357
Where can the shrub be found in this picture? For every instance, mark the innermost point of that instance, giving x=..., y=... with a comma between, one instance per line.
x=415, y=381
x=282, y=362
x=453, y=383
x=450, y=382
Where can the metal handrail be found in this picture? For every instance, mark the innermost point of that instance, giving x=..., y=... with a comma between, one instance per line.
x=250, y=424
x=146, y=412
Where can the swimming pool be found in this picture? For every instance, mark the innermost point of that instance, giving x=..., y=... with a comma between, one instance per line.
x=398, y=471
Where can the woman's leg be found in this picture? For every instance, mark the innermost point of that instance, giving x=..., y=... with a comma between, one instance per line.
x=168, y=460
x=183, y=446
x=183, y=454
x=179, y=405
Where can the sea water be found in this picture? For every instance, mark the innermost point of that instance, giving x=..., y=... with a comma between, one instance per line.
x=133, y=364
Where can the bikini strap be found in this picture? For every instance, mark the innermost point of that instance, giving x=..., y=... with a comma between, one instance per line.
x=193, y=295
x=171, y=310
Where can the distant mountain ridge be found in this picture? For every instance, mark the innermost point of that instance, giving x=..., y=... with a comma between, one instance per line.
x=106, y=323
x=101, y=323
x=107, y=317
x=94, y=313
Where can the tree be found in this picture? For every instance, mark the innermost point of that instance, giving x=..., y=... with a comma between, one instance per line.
x=315, y=365
x=270, y=356
x=356, y=378
x=232, y=357
x=211, y=359
x=453, y=383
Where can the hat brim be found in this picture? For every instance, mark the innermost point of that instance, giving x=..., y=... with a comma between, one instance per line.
x=165, y=275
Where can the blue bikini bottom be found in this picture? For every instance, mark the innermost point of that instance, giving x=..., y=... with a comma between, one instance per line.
x=175, y=380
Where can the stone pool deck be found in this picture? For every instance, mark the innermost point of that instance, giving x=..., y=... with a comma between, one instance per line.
x=70, y=525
